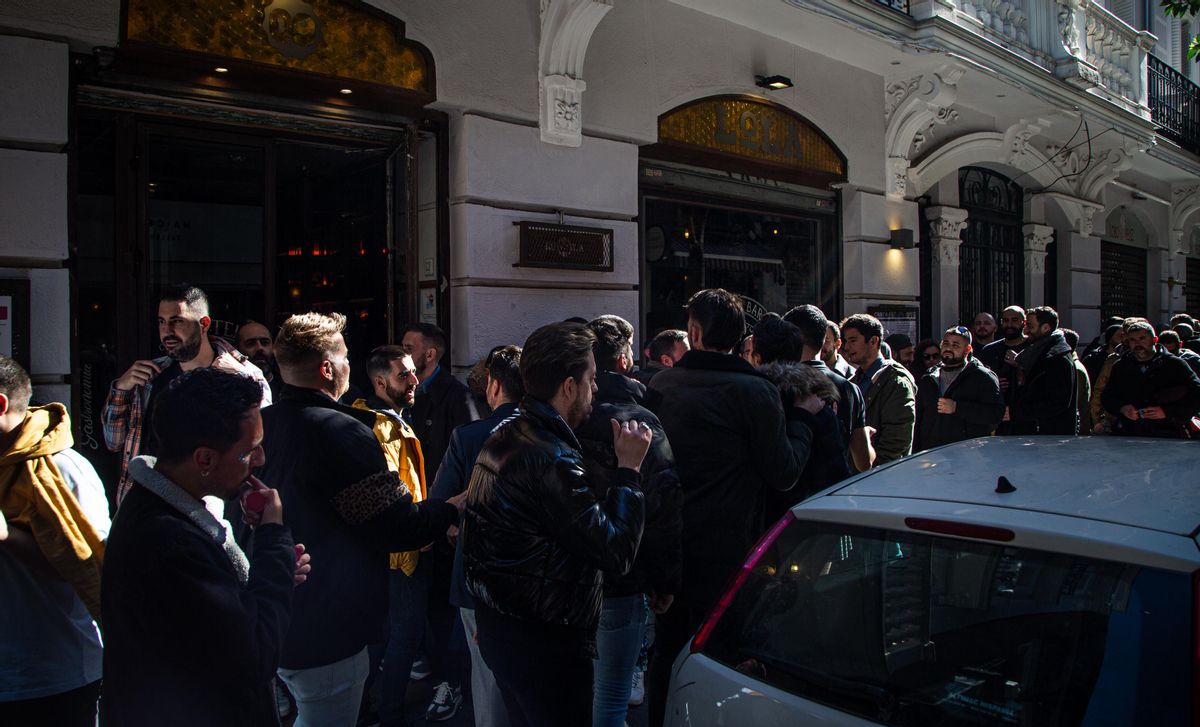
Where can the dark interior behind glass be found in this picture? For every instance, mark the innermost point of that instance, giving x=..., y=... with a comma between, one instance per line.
x=914, y=630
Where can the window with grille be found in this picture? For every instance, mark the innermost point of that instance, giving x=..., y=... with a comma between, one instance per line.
x=991, y=274
x=1122, y=280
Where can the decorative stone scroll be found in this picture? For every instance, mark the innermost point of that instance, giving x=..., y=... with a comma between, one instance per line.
x=567, y=27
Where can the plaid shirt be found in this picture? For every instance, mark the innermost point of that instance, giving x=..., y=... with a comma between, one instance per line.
x=124, y=411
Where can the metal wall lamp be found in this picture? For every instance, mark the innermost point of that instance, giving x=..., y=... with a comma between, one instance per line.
x=773, y=83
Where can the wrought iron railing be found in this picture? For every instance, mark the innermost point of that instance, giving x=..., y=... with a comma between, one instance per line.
x=897, y=5
x=1174, y=102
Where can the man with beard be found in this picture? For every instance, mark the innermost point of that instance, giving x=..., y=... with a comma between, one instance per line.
x=183, y=324
x=1151, y=393
x=888, y=388
x=1046, y=396
x=983, y=331
x=394, y=383
x=442, y=404
x=957, y=399
x=254, y=342
x=537, y=534
x=348, y=506
x=1001, y=356
x=831, y=349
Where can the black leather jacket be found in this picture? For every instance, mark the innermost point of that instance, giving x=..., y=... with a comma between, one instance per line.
x=535, y=534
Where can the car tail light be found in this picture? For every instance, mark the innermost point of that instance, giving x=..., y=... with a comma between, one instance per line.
x=962, y=530
x=756, y=554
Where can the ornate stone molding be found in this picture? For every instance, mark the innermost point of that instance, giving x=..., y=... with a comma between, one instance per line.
x=567, y=27
x=1019, y=151
x=1105, y=167
x=1185, y=202
x=1037, y=237
x=945, y=229
x=1069, y=20
x=913, y=108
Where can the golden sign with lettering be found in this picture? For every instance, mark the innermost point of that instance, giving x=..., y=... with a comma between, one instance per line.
x=329, y=37
x=754, y=131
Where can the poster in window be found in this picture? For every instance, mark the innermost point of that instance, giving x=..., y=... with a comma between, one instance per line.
x=897, y=319
x=14, y=320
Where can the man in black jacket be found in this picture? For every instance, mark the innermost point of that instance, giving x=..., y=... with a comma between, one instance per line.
x=1150, y=392
x=1001, y=356
x=504, y=390
x=1046, y=396
x=194, y=627
x=346, y=504
x=957, y=399
x=537, y=534
x=655, y=572
x=732, y=441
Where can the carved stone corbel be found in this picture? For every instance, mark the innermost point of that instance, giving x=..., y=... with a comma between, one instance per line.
x=1037, y=237
x=913, y=108
x=567, y=27
x=1185, y=202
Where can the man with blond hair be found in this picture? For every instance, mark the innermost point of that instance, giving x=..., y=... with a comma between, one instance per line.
x=348, y=507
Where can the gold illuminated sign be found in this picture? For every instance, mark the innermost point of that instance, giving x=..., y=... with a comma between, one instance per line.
x=753, y=131
x=338, y=38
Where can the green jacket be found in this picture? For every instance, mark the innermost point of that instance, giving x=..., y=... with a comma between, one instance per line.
x=892, y=410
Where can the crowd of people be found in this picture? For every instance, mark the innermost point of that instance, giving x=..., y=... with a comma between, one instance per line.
x=282, y=544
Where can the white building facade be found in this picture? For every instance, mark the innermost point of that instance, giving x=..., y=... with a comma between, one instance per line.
x=495, y=166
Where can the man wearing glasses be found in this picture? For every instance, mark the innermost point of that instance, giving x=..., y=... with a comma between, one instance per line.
x=957, y=399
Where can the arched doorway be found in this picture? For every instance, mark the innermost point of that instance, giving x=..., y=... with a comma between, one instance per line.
x=737, y=194
x=991, y=272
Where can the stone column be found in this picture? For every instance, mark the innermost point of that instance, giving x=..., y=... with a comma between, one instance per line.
x=1036, y=238
x=945, y=229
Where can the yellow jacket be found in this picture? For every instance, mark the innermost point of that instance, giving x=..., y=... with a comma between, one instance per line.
x=403, y=454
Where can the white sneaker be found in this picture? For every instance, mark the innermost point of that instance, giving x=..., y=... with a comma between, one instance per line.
x=637, y=695
x=445, y=703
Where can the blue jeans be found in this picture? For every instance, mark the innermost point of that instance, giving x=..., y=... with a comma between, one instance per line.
x=618, y=644
x=328, y=696
x=408, y=601
x=485, y=693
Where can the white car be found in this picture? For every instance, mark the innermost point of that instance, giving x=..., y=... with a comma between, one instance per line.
x=998, y=581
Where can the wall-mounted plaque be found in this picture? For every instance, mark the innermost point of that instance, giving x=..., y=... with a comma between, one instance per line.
x=14, y=320
x=547, y=245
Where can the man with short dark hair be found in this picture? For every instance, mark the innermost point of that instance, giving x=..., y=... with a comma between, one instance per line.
x=346, y=504
x=888, y=388
x=53, y=520
x=1083, y=383
x=664, y=351
x=983, y=330
x=537, y=534
x=193, y=625
x=504, y=390
x=902, y=349
x=1151, y=393
x=1186, y=328
x=255, y=343
x=442, y=404
x=831, y=349
x=732, y=441
x=957, y=399
x=656, y=570
x=1001, y=357
x=1045, y=400
x=851, y=409
x=1172, y=344
x=183, y=324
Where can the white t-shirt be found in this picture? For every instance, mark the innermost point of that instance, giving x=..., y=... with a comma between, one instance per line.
x=49, y=643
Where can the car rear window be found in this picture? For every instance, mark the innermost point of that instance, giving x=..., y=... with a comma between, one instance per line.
x=909, y=629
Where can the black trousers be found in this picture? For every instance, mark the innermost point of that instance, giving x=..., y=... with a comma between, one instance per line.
x=672, y=632
x=544, y=677
x=76, y=708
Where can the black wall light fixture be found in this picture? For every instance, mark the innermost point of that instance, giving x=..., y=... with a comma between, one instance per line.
x=902, y=239
x=773, y=83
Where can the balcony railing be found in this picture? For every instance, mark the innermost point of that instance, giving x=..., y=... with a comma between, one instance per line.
x=897, y=5
x=1174, y=104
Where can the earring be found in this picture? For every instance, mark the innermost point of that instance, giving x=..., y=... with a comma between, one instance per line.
x=204, y=473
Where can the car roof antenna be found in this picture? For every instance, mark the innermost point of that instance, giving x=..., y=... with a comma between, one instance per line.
x=1003, y=486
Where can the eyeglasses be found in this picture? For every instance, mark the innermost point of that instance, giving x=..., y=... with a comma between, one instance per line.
x=960, y=330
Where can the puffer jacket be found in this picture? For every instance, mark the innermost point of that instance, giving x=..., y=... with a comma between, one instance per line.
x=658, y=564
x=536, y=537
x=1045, y=402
